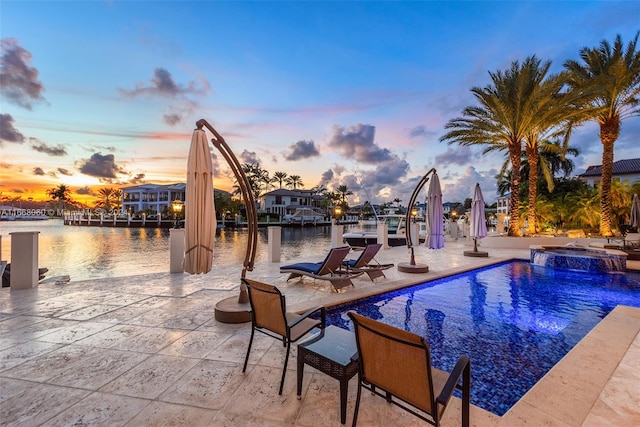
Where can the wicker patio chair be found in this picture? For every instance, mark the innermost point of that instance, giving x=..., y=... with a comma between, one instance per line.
x=396, y=365
x=269, y=316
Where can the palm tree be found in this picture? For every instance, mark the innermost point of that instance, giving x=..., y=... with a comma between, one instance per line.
x=610, y=76
x=62, y=193
x=294, y=181
x=343, y=192
x=279, y=177
x=109, y=198
x=501, y=121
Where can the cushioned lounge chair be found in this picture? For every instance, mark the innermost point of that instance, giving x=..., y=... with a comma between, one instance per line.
x=269, y=316
x=396, y=365
x=367, y=263
x=330, y=269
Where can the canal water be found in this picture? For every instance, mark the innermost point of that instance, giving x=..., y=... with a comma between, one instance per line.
x=92, y=252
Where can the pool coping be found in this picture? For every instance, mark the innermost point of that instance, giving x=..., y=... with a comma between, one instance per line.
x=575, y=391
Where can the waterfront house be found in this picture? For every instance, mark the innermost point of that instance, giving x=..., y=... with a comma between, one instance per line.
x=623, y=170
x=283, y=201
x=151, y=198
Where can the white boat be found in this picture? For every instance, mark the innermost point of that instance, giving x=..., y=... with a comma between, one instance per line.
x=304, y=215
x=396, y=232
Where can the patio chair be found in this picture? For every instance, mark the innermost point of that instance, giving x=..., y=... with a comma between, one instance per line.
x=330, y=269
x=396, y=365
x=632, y=241
x=269, y=316
x=367, y=263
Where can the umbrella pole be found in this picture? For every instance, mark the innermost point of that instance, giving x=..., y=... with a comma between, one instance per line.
x=237, y=310
x=475, y=244
x=412, y=266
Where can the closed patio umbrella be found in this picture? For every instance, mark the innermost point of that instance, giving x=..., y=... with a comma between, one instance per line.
x=635, y=212
x=200, y=216
x=478, y=221
x=435, y=230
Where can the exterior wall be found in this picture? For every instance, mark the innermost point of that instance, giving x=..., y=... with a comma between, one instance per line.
x=151, y=197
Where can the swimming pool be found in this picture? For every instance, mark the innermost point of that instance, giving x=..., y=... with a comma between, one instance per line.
x=515, y=320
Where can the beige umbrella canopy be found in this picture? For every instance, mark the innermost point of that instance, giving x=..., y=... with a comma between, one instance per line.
x=200, y=215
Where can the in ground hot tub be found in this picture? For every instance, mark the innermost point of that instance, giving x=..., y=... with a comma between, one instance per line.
x=578, y=258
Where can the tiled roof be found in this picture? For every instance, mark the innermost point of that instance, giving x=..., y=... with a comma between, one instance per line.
x=621, y=167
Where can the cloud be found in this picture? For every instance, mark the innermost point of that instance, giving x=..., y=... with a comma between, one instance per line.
x=172, y=119
x=8, y=132
x=101, y=166
x=460, y=155
x=38, y=171
x=18, y=80
x=42, y=147
x=356, y=143
x=138, y=179
x=462, y=187
x=85, y=191
x=326, y=178
x=163, y=85
x=419, y=131
x=249, y=157
x=65, y=172
x=302, y=150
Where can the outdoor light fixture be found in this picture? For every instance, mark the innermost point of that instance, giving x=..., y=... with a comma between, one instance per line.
x=337, y=213
x=414, y=214
x=176, y=206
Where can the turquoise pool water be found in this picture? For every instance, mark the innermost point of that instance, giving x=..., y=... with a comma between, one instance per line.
x=514, y=320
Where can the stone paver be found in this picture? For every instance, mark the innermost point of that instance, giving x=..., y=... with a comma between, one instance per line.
x=146, y=350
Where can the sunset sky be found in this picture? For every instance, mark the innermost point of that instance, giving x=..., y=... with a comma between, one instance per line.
x=106, y=93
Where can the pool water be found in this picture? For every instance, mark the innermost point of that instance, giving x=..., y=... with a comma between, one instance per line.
x=515, y=320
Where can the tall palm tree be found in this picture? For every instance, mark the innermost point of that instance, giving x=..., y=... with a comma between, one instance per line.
x=62, y=193
x=343, y=191
x=501, y=121
x=294, y=181
x=279, y=177
x=610, y=75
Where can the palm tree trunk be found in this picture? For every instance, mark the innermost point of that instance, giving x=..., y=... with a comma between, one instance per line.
x=515, y=154
x=532, y=158
x=605, y=188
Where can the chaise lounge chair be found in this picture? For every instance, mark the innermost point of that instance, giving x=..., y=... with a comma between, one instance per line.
x=364, y=262
x=396, y=365
x=330, y=269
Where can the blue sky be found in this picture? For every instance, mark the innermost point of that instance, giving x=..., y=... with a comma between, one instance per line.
x=353, y=93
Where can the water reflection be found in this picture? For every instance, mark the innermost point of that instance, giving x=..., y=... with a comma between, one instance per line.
x=88, y=252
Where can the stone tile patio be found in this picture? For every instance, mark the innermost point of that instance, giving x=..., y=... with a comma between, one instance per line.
x=146, y=350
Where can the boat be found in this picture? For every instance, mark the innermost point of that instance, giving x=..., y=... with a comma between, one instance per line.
x=304, y=215
x=395, y=228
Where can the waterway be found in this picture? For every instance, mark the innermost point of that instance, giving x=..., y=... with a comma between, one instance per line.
x=92, y=252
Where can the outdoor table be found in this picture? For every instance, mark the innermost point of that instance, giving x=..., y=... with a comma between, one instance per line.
x=333, y=352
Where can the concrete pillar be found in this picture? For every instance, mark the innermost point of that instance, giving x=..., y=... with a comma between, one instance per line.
x=24, y=260
x=176, y=250
x=337, y=231
x=383, y=235
x=500, y=225
x=453, y=230
x=415, y=237
x=274, y=238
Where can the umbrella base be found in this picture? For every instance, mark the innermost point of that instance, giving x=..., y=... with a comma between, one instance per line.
x=407, y=267
x=478, y=254
x=229, y=310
